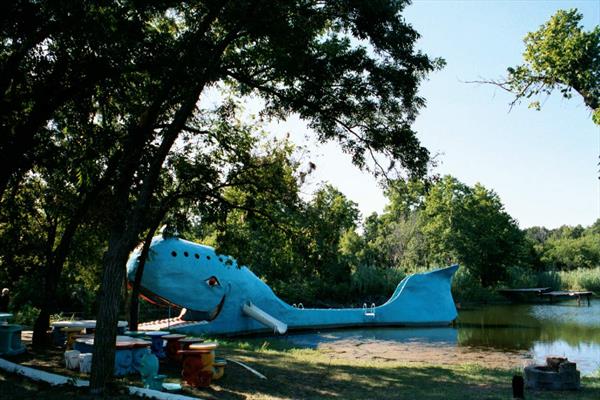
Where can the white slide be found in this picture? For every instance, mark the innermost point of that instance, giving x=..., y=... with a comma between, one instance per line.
x=252, y=311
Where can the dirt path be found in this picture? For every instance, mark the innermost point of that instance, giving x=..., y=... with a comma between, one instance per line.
x=419, y=352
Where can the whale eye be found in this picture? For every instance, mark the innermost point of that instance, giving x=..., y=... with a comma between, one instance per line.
x=213, y=281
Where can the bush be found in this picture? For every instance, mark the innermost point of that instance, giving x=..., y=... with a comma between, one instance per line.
x=372, y=284
x=520, y=277
x=467, y=288
x=549, y=279
x=26, y=315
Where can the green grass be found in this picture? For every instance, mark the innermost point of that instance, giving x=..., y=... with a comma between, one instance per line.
x=312, y=374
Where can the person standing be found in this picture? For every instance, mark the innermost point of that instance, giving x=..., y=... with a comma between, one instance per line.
x=4, y=300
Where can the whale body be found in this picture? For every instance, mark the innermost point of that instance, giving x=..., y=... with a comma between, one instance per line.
x=224, y=299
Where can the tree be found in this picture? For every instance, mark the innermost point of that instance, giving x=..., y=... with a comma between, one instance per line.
x=291, y=243
x=309, y=58
x=469, y=225
x=54, y=53
x=561, y=56
x=329, y=216
x=567, y=247
x=263, y=220
x=348, y=68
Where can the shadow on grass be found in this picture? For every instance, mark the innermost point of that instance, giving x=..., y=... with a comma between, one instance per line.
x=307, y=374
x=310, y=375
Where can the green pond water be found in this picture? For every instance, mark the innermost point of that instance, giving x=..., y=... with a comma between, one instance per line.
x=562, y=329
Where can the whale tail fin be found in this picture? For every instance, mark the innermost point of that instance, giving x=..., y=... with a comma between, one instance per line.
x=425, y=295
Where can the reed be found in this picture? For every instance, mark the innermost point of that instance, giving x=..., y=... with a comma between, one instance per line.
x=581, y=279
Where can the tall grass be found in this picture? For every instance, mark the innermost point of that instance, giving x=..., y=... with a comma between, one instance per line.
x=467, y=288
x=372, y=283
x=581, y=279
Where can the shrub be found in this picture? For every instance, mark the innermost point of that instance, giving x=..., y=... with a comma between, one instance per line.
x=26, y=315
x=369, y=283
x=467, y=288
x=520, y=277
x=549, y=279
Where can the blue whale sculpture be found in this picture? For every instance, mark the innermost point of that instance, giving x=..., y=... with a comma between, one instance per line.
x=224, y=299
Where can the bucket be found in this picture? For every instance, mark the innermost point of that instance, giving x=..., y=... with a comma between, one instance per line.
x=85, y=363
x=72, y=359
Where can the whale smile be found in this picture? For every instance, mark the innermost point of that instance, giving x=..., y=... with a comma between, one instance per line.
x=190, y=314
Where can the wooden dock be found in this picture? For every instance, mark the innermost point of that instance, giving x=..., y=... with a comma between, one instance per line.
x=524, y=294
x=543, y=294
x=568, y=294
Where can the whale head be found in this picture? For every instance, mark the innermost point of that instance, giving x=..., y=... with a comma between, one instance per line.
x=185, y=274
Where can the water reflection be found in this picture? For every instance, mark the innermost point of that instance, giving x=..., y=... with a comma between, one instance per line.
x=563, y=329
x=560, y=329
x=435, y=336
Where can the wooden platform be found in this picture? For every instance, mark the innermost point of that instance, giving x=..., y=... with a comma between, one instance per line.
x=568, y=294
x=524, y=294
x=543, y=294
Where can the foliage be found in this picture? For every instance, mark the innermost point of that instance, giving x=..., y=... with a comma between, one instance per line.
x=566, y=247
x=466, y=287
x=561, y=56
x=371, y=284
x=26, y=315
x=291, y=243
x=581, y=279
x=550, y=279
x=567, y=253
x=469, y=226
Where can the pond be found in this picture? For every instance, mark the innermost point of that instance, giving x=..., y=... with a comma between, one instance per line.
x=499, y=335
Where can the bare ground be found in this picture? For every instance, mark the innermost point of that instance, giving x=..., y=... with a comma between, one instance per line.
x=424, y=353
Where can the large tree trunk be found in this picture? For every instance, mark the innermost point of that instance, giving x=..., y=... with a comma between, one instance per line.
x=129, y=223
x=108, y=314
x=48, y=305
x=40, y=327
x=139, y=272
x=56, y=260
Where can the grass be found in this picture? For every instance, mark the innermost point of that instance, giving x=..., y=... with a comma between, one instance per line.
x=311, y=374
x=582, y=279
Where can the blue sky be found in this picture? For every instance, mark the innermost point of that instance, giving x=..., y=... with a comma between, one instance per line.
x=543, y=164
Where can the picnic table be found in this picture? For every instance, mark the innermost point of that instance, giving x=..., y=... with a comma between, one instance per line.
x=128, y=352
x=4, y=318
x=157, y=343
x=89, y=325
x=10, y=336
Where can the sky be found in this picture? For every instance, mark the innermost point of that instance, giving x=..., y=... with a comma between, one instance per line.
x=542, y=164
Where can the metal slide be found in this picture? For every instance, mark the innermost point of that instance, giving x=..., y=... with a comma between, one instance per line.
x=252, y=311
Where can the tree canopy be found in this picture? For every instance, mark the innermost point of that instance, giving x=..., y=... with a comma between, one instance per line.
x=106, y=100
x=560, y=56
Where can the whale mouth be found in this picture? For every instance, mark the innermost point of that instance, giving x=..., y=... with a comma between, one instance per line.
x=215, y=313
x=190, y=314
x=195, y=315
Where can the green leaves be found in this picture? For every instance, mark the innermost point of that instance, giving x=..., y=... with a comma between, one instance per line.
x=561, y=56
